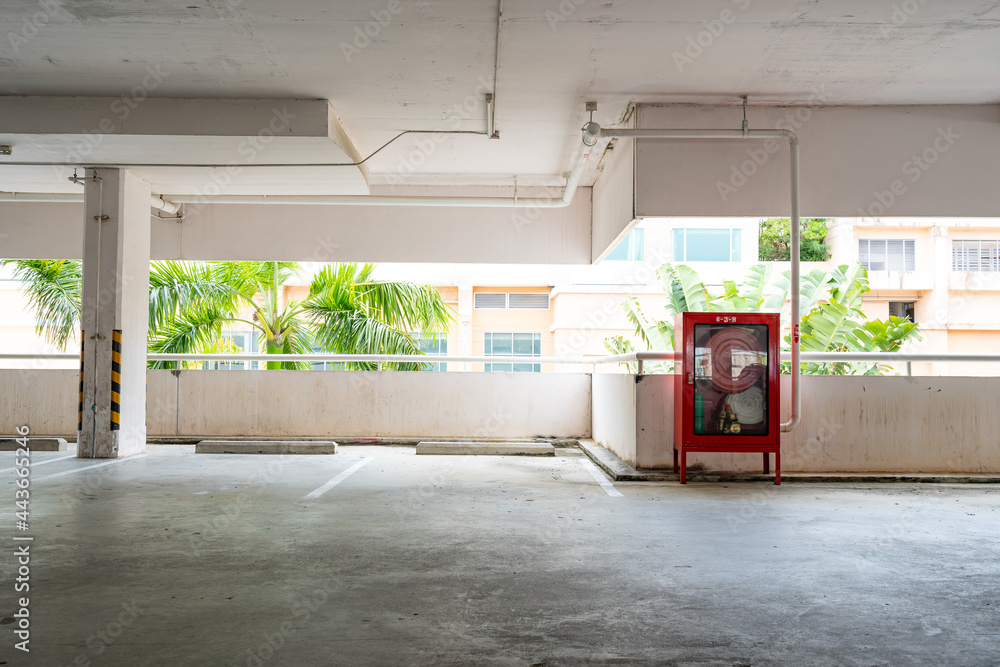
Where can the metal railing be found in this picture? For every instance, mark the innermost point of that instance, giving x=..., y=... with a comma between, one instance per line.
x=316, y=357
x=869, y=357
x=638, y=358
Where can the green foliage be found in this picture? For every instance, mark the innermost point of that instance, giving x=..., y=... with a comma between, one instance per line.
x=347, y=311
x=830, y=300
x=352, y=313
x=53, y=287
x=775, y=240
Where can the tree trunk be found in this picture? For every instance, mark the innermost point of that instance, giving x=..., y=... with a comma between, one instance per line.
x=273, y=348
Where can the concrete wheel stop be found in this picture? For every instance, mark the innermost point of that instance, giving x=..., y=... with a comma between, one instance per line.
x=266, y=447
x=473, y=448
x=34, y=444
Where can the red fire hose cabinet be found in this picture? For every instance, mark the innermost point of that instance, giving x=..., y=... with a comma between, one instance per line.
x=726, y=392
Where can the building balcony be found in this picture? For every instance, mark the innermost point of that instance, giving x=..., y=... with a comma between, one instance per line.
x=974, y=281
x=901, y=280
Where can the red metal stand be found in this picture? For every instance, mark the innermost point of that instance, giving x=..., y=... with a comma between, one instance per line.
x=726, y=392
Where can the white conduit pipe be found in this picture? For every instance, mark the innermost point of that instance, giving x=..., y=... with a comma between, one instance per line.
x=793, y=145
x=365, y=200
x=154, y=201
x=40, y=197
x=591, y=132
x=173, y=206
x=168, y=207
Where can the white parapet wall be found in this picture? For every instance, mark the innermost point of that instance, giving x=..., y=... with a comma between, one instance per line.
x=849, y=424
x=290, y=404
x=614, y=410
x=44, y=400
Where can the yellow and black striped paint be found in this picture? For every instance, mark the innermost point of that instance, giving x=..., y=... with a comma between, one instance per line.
x=79, y=411
x=116, y=379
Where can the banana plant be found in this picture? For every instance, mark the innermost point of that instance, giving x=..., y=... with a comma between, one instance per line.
x=839, y=325
x=829, y=300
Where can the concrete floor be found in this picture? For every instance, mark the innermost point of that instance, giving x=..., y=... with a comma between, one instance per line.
x=183, y=559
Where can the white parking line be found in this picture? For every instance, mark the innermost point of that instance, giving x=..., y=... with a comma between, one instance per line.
x=96, y=465
x=41, y=463
x=608, y=487
x=337, y=480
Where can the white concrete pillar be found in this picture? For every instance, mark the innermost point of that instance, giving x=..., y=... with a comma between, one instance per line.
x=465, y=312
x=115, y=317
x=940, y=297
x=840, y=238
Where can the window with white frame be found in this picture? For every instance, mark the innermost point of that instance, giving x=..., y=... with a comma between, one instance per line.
x=491, y=300
x=434, y=344
x=242, y=340
x=694, y=244
x=323, y=365
x=631, y=248
x=972, y=255
x=528, y=300
x=512, y=345
x=513, y=301
x=887, y=254
x=904, y=310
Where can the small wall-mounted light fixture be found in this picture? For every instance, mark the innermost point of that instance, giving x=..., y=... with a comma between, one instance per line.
x=491, y=131
x=6, y=150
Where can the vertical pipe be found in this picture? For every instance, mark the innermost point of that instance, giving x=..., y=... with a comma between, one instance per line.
x=591, y=131
x=793, y=145
x=793, y=419
x=489, y=115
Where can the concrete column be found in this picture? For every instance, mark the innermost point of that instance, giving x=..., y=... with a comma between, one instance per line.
x=465, y=312
x=940, y=297
x=840, y=238
x=115, y=317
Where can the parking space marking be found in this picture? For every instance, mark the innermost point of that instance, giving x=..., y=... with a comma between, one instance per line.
x=96, y=465
x=337, y=480
x=41, y=463
x=598, y=476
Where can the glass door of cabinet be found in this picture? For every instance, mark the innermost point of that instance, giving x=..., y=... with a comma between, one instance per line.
x=730, y=379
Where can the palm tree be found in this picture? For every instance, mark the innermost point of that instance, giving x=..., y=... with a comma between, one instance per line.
x=54, y=288
x=347, y=311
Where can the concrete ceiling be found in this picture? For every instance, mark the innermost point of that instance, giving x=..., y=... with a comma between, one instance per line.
x=427, y=65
